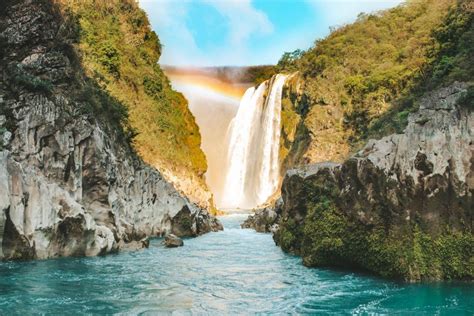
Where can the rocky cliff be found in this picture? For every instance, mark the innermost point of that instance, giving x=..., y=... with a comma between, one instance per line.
x=402, y=207
x=70, y=183
x=361, y=81
x=120, y=51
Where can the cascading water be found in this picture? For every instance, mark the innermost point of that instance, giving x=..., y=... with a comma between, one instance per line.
x=253, y=170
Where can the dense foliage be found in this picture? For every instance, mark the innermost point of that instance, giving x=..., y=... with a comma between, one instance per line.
x=329, y=238
x=258, y=74
x=361, y=81
x=453, y=60
x=120, y=53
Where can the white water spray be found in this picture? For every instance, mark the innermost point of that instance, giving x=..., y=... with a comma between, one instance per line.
x=253, y=169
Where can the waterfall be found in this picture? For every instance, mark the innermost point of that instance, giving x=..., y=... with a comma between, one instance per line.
x=253, y=169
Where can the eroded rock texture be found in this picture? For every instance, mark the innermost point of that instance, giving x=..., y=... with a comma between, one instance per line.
x=70, y=184
x=402, y=207
x=264, y=220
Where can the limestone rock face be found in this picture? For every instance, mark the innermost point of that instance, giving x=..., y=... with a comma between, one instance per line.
x=427, y=171
x=411, y=189
x=70, y=185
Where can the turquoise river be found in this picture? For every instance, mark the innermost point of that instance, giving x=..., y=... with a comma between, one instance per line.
x=233, y=272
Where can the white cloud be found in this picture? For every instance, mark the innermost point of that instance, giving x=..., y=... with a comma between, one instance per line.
x=244, y=23
x=241, y=18
x=171, y=15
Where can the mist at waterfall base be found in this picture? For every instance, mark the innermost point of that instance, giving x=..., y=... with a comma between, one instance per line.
x=213, y=111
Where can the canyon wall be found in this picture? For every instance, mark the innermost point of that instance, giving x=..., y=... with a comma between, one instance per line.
x=377, y=146
x=70, y=182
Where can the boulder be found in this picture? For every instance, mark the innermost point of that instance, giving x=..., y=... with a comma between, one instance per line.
x=173, y=241
x=187, y=223
x=263, y=220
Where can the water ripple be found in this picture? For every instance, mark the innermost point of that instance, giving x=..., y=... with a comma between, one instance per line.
x=231, y=272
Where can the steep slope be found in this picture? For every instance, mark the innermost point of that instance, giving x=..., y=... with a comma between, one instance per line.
x=120, y=52
x=70, y=182
x=362, y=80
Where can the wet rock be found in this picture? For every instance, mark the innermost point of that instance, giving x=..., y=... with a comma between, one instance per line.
x=263, y=220
x=206, y=223
x=187, y=223
x=173, y=241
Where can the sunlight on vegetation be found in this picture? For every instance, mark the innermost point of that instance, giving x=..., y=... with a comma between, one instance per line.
x=120, y=52
x=367, y=75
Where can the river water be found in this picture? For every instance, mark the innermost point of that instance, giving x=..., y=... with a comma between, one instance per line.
x=231, y=272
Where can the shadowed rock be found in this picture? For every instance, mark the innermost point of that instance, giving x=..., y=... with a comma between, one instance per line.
x=172, y=241
x=263, y=220
x=402, y=207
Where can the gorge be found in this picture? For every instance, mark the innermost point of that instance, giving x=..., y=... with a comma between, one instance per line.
x=235, y=271
x=351, y=163
x=71, y=183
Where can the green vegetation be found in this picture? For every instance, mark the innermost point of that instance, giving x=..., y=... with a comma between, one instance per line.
x=30, y=82
x=258, y=74
x=453, y=60
x=249, y=74
x=467, y=99
x=3, y=130
x=361, y=81
x=294, y=134
x=289, y=62
x=408, y=253
x=120, y=54
x=97, y=102
x=455, y=39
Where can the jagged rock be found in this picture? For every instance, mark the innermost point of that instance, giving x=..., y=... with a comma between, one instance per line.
x=69, y=185
x=401, y=207
x=264, y=220
x=173, y=241
x=191, y=224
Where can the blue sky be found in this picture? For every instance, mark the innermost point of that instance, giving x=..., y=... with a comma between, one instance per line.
x=246, y=32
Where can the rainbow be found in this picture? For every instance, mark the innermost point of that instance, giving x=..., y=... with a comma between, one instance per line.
x=207, y=81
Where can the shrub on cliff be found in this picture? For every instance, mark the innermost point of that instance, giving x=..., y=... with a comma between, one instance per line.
x=467, y=100
x=359, y=78
x=29, y=81
x=120, y=52
x=407, y=253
